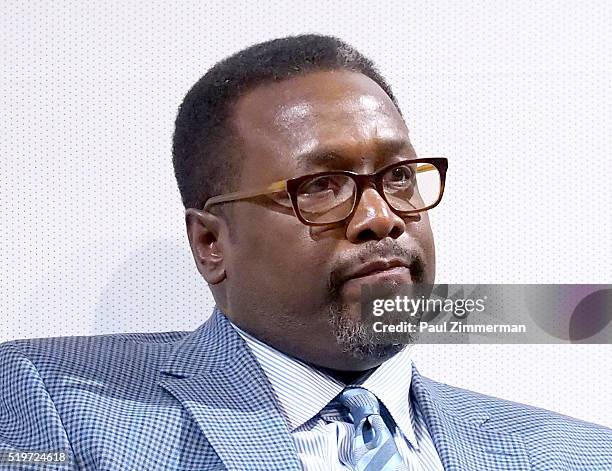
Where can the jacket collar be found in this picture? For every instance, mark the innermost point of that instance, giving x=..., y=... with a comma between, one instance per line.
x=208, y=348
x=217, y=380
x=461, y=431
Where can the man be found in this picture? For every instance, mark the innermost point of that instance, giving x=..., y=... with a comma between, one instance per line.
x=301, y=187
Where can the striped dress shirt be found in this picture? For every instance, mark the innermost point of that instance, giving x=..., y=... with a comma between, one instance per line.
x=322, y=432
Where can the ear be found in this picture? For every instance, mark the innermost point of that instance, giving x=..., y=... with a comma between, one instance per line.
x=204, y=230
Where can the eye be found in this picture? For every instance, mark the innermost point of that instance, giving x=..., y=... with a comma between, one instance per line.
x=322, y=185
x=400, y=179
x=401, y=174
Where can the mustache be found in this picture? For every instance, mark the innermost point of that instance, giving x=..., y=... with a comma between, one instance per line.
x=412, y=256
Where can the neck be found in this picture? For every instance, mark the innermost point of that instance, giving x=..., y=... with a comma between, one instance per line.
x=348, y=377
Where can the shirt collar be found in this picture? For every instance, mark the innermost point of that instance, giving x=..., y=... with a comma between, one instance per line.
x=390, y=383
x=303, y=391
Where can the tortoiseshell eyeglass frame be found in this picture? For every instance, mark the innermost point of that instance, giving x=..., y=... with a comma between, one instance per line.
x=375, y=179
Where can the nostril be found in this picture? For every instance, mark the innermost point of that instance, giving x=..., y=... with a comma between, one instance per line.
x=365, y=235
x=396, y=232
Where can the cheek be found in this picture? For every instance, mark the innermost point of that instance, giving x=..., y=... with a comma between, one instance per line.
x=422, y=232
x=278, y=250
x=426, y=235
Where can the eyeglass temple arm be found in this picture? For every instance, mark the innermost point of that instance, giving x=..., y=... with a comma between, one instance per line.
x=425, y=168
x=239, y=195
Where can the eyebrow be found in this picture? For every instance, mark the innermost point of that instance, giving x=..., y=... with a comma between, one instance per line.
x=335, y=156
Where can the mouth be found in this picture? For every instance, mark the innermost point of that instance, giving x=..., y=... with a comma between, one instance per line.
x=382, y=268
x=378, y=268
x=394, y=272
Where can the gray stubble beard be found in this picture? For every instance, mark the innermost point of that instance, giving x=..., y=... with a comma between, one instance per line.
x=356, y=338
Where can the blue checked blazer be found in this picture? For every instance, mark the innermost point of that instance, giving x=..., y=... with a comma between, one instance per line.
x=199, y=401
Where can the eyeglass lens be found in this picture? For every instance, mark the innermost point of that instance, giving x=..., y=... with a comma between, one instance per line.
x=331, y=198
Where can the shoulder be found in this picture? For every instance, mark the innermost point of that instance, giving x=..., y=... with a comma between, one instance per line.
x=98, y=395
x=539, y=428
x=98, y=353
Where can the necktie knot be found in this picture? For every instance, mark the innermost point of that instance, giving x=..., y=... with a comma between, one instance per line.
x=360, y=402
x=373, y=444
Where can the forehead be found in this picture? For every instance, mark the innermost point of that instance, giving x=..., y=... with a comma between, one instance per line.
x=321, y=119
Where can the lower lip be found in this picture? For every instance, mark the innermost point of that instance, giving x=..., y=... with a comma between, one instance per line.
x=351, y=289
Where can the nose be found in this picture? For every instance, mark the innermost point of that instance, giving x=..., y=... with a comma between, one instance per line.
x=373, y=219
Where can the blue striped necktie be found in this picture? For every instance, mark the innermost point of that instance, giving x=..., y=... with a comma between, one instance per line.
x=373, y=445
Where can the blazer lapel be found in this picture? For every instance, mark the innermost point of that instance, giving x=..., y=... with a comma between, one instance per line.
x=459, y=431
x=217, y=379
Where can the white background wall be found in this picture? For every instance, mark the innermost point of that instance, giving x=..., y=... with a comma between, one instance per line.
x=517, y=94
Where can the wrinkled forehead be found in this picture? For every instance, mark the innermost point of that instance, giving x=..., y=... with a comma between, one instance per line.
x=300, y=123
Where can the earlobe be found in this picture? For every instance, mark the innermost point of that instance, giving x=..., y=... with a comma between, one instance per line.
x=204, y=230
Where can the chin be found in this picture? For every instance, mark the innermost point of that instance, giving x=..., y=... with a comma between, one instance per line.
x=359, y=348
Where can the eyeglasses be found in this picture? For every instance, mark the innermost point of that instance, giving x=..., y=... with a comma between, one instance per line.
x=408, y=187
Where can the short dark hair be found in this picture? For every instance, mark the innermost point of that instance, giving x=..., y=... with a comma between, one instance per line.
x=204, y=149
